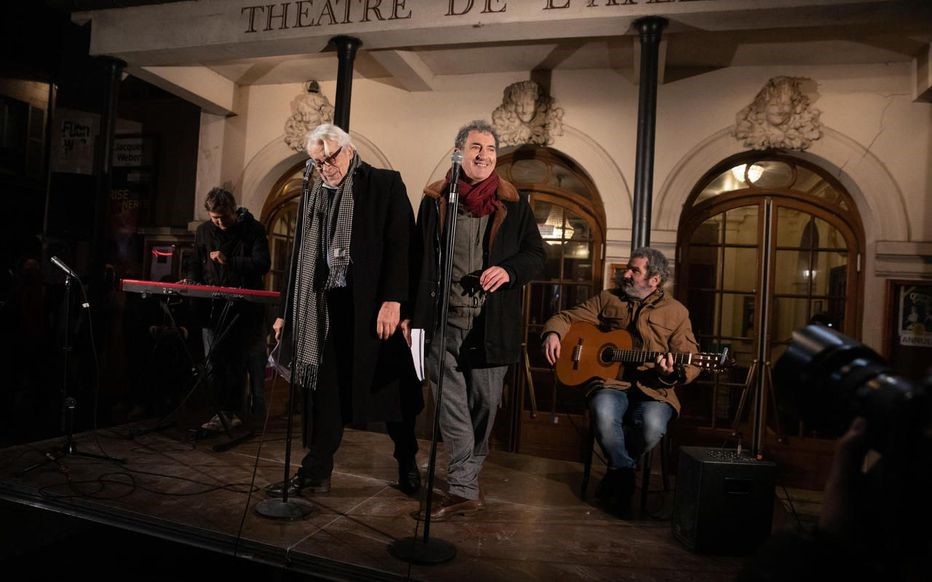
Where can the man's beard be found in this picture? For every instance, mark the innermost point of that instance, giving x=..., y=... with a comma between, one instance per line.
x=631, y=290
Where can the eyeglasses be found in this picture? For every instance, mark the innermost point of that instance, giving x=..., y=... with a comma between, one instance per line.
x=328, y=161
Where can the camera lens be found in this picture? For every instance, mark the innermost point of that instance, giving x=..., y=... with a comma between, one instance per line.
x=829, y=378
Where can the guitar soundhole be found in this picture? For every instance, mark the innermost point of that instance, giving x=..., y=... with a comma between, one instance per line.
x=605, y=355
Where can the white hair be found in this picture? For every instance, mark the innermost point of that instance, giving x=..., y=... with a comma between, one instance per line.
x=327, y=133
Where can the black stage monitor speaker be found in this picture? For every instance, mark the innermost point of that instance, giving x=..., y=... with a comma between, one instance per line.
x=723, y=502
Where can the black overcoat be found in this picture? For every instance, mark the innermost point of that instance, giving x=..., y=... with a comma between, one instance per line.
x=511, y=241
x=380, y=249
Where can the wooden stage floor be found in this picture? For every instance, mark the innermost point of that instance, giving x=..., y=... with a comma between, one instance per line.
x=534, y=527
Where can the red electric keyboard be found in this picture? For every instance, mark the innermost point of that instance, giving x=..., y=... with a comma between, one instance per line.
x=199, y=291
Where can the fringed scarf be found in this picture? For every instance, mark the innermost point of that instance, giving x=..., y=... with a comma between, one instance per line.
x=479, y=199
x=309, y=297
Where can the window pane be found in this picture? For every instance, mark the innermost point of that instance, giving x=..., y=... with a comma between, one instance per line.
x=740, y=269
x=741, y=225
x=554, y=252
x=577, y=266
x=829, y=236
x=563, y=178
x=827, y=265
x=771, y=174
x=788, y=314
x=813, y=185
x=576, y=294
x=792, y=228
x=737, y=315
x=544, y=302
x=529, y=172
x=701, y=305
x=541, y=211
x=792, y=272
x=549, y=221
x=727, y=181
x=709, y=232
x=577, y=228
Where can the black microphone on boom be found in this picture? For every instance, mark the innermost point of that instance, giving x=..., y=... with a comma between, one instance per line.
x=308, y=168
x=457, y=161
x=61, y=265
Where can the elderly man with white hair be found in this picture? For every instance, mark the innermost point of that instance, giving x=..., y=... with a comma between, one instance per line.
x=348, y=285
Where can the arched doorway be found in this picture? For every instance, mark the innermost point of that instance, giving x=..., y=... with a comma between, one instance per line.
x=547, y=419
x=767, y=244
x=279, y=215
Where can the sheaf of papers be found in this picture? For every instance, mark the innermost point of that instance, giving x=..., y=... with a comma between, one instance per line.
x=417, y=352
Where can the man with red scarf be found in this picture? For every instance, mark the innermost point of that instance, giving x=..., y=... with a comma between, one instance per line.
x=497, y=250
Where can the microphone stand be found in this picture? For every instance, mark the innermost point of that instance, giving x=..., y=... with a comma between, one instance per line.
x=68, y=401
x=427, y=551
x=284, y=508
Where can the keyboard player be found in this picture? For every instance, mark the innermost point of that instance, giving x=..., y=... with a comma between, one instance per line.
x=231, y=249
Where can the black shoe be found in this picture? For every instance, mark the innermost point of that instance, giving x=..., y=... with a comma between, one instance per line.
x=622, y=491
x=610, y=484
x=409, y=477
x=298, y=485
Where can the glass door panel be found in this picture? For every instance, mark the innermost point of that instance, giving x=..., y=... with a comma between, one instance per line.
x=739, y=272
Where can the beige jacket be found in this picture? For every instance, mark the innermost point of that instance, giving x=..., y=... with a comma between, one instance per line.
x=662, y=323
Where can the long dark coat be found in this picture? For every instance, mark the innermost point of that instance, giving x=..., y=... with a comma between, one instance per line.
x=511, y=241
x=380, y=248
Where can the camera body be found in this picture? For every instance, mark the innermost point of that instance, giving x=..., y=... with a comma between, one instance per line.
x=829, y=379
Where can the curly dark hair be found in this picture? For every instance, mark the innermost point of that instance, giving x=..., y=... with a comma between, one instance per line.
x=657, y=263
x=480, y=125
x=219, y=200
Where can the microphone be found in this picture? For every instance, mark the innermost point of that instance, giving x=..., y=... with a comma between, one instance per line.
x=61, y=265
x=457, y=164
x=457, y=161
x=308, y=168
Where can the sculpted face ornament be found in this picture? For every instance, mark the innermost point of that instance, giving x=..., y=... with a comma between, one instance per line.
x=780, y=117
x=308, y=110
x=527, y=116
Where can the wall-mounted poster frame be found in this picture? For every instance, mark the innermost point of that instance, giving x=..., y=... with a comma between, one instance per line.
x=907, y=338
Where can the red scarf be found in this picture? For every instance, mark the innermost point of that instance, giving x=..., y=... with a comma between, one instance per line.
x=479, y=199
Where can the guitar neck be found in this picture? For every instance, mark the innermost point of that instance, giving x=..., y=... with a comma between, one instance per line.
x=640, y=356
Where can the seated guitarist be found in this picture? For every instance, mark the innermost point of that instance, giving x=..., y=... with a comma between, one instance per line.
x=641, y=397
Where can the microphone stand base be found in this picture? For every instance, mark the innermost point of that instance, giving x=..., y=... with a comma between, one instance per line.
x=416, y=551
x=291, y=510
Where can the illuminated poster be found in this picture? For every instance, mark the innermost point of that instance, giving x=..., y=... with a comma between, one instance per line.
x=73, y=142
x=915, y=315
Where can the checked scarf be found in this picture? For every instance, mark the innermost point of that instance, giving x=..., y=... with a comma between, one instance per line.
x=313, y=279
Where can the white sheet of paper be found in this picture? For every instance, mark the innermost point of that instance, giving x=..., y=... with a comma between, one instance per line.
x=417, y=352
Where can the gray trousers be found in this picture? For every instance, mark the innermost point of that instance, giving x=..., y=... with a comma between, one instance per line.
x=471, y=396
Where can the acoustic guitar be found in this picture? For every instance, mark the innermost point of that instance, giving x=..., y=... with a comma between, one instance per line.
x=587, y=352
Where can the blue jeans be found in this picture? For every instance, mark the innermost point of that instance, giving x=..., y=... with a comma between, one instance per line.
x=615, y=410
